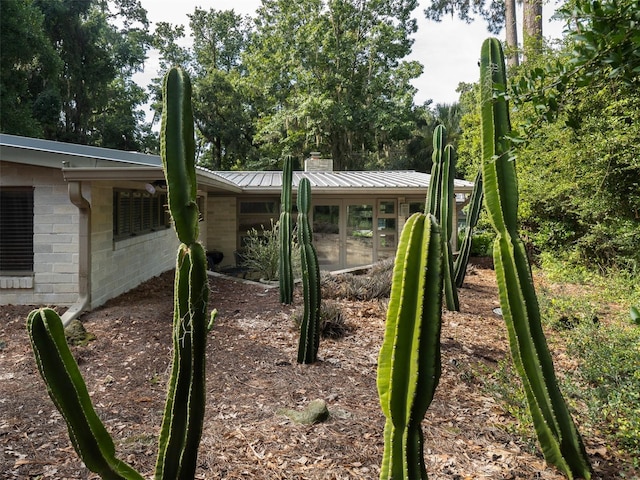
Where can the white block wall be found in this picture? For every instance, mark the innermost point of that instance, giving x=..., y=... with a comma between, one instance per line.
x=117, y=267
x=55, y=277
x=222, y=227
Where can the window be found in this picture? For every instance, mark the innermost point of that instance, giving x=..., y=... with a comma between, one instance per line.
x=137, y=212
x=16, y=230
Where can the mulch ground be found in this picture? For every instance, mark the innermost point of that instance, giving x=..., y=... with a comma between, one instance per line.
x=252, y=375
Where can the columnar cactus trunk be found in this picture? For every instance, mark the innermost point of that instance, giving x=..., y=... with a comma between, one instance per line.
x=284, y=232
x=560, y=441
x=184, y=411
x=409, y=363
x=186, y=398
x=440, y=204
x=475, y=205
x=310, y=326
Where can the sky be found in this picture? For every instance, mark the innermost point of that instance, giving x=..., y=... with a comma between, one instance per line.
x=448, y=50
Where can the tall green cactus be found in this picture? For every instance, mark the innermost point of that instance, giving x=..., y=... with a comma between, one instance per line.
x=440, y=204
x=409, y=362
x=475, y=205
x=310, y=326
x=284, y=232
x=560, y=441
x=184, y=411
x=186, y=398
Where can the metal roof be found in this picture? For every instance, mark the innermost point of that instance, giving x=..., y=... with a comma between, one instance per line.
x=355, y=181
x=76, y=155
x=82, y=162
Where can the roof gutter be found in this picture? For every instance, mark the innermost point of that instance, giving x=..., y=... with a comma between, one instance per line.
x=84, y=262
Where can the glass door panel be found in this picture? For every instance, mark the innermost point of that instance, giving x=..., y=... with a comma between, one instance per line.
x=359, y=235
x=326, y=235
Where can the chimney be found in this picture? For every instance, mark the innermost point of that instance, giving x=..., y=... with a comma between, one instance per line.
x=316, y=164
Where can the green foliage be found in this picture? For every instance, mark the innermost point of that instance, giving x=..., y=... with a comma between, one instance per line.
x=352, y=96
x=482, y=244
x=609, y=380
x=67, y=69
x=310, y=326
x=186, y=396
x=409, y=362
x=604, y=345
x=561, y=443
x=579, y=186
x=28, y=65
x=261, y=252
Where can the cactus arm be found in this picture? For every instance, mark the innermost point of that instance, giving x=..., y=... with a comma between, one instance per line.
x=177, y=149
x=184, y=408
x=440, y=203
x=68, y=391
x=448, y=204
x=434, y=194
x=475, y=205
x=284, y=231
x=560, y=441
x=409, y=360
x=182, y=423
x=310, y=325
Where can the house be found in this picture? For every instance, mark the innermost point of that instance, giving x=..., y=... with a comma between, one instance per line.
x=80, y=225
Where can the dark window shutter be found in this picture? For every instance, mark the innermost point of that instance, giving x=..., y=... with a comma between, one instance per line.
x=16, y=229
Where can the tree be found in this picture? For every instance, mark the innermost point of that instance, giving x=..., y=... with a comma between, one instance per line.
x=98, y=60
x=223, y=111
x=498, y=14
x=29, y=67
x=331, y=77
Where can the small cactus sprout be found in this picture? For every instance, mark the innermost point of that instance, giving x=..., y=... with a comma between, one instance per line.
x=184, y=411
x=560, y=441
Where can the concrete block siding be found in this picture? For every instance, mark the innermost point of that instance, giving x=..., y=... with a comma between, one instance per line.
x=115, y=266
x=55, y=241
x=120, y=266
x=222, y=227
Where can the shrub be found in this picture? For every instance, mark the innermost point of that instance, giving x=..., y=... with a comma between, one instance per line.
x=332, y=319
x=374, y=284
x=261, y=252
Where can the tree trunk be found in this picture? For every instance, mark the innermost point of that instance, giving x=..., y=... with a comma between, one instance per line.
x=512, y=33
x=532, y=25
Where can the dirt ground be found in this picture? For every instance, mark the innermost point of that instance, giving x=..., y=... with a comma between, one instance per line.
x=252, y=375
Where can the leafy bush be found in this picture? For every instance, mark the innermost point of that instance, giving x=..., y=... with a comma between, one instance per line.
x=482, y=244
x=261, y=252
x=608, y=379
